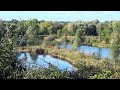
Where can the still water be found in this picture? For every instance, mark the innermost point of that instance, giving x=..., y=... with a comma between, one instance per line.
x=44, y=61
x=104, y=52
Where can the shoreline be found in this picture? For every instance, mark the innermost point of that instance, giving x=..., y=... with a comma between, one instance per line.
x=74, y=59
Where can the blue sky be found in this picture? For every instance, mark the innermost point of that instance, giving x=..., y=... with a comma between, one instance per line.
x=61, y=15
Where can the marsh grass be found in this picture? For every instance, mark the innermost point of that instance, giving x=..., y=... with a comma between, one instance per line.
x=88, y=66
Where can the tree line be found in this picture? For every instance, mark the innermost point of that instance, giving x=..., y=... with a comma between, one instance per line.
x=34, y=27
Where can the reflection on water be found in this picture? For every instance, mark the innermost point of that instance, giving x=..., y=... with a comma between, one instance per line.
x=104, y=52
x=44, y=61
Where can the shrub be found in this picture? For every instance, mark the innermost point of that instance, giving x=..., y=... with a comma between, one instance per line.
x=50, y=38
x=8, y=58
x=104, y=74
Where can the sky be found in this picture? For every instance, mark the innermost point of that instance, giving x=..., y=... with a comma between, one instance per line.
x=61, y=15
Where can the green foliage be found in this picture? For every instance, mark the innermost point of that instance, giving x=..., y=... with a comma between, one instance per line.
x=58, y=33
x=74, y=47
x=45, y=25
x=85, y=71
x=104, y=74
x=2, y=29
x=30, y=37
x=91, y=30
x=17, y=33
x=88, y=42
x=8, y=61
x=79, y=36
x=49, y=42
x=107, y=36
x=50, y=73
x=71, y=28
x=64, y=31
x=115, y=47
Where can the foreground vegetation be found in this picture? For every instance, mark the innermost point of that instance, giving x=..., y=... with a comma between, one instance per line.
x=88, y=66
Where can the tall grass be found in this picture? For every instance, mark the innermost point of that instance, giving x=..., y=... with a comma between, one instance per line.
x=88, y=66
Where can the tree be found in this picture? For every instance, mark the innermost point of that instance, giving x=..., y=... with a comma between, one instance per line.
x=58, y=33
x=91, y=30
x=79, y=36
x=116, y=48
x=14, y=21
x=99, y=29
x=46, y=27
x=30, y=36
x=71, y=28
x=34, y=21
x=107, y=36
x=116, y=43
x=8, y=57
x=64, y=31
x=95, y=22
x=56, y=26
x=2, y=29
x=49, y=30
x=65, y=40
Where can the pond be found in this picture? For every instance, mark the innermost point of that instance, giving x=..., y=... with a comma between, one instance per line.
x=104, y=52
x=44, y=61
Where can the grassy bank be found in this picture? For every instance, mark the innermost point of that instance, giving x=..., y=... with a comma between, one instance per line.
x=72, y=56
x=101, y=45
x=88, y=67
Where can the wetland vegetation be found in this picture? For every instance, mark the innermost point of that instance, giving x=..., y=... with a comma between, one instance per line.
x=33, y=49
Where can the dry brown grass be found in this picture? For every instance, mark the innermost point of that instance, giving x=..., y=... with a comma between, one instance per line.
x=75, y=57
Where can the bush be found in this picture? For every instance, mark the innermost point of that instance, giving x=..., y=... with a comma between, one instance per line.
x=8, y=59
x=39, y=51
x=104, y=74
x=47, y=73
x=85, y=71
x=50, y=38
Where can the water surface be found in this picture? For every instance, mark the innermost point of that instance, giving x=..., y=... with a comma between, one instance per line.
x=45, y=61
x=104, y=52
